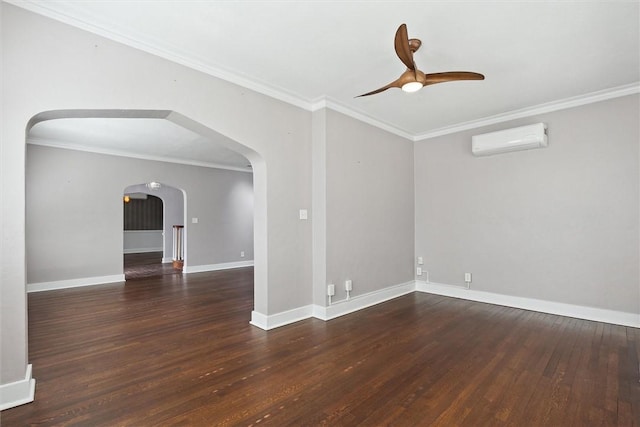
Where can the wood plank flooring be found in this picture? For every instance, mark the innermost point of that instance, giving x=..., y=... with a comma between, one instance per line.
x=178, y=350
x=145, y=265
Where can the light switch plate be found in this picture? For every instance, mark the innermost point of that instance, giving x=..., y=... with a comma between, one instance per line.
x=303, y=214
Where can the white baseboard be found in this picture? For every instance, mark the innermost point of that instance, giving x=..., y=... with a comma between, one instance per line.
x=215, y=267
x=561, y=309
x=141, y=250
x=167, y=260
x=337, y=309
x=74, y=283
x=273, y=321
x=19, y=392
x=343, y=307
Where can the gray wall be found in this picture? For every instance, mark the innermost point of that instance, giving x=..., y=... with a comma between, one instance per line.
x=557, y=224
x=75, y=221
x=369, y=206
x=49, y=66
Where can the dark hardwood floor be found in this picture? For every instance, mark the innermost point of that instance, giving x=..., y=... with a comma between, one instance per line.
x=179, y=350
x=145, y=265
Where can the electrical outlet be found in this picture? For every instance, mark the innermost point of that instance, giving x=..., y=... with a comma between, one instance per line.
x=242, y=254
x=331, y=290
x=467, y=277
x=348, y=285
x=419, y=271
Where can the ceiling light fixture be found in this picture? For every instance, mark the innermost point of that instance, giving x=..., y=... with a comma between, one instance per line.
x=412, y=87
x=154, y=185
x=126, y=198
x=412, y=80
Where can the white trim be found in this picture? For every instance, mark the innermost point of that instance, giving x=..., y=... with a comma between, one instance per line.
x=343, y=307
x=171, y=55
x=334, y=105
x=19, y=392
x=216, y=267
x=166, y=260
x=561, y=309
x=273, y=321
x=337, y=309
x=298, y=100
x=74, y=283
x=561, y=104
x=260, y=320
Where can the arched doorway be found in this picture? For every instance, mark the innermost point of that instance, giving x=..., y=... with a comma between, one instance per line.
x=253, y=164
x=150, y=213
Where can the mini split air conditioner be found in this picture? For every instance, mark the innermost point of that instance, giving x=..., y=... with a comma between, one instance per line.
x=521, y=138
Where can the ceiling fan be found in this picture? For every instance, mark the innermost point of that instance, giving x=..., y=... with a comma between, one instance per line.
x=413, y=79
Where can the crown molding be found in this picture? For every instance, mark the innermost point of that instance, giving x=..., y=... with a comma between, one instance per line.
x=332, y=104
x=549, y=107
x=286, y=96
x=57, y=144
x=272, y=91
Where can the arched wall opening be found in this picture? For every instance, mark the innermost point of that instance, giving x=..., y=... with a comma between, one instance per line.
x=256, y=181
x=149, y=227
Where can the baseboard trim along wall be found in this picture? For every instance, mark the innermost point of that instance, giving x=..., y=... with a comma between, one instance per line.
x=561, y=309
x=215, y=267
x=343, y=307
x=74, y=283
x=19, y=392
x=273, y=321
x=101, y=280
x=359, y=302
x=337, y=309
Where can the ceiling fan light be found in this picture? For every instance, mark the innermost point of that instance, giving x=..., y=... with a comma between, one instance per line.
x=412, y=87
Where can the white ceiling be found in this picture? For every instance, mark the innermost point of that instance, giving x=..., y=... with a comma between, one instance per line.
x=324, y=53
x=147, y=138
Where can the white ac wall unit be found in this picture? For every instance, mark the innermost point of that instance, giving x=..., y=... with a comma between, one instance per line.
x=516, y=139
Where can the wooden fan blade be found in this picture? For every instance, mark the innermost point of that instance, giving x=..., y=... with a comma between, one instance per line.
x=402, y=47
x=382, y=89
x=451, y=76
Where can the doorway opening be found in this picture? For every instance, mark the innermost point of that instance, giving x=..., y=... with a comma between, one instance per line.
x=151, y=213
x=122, y=142
x=142, y=236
